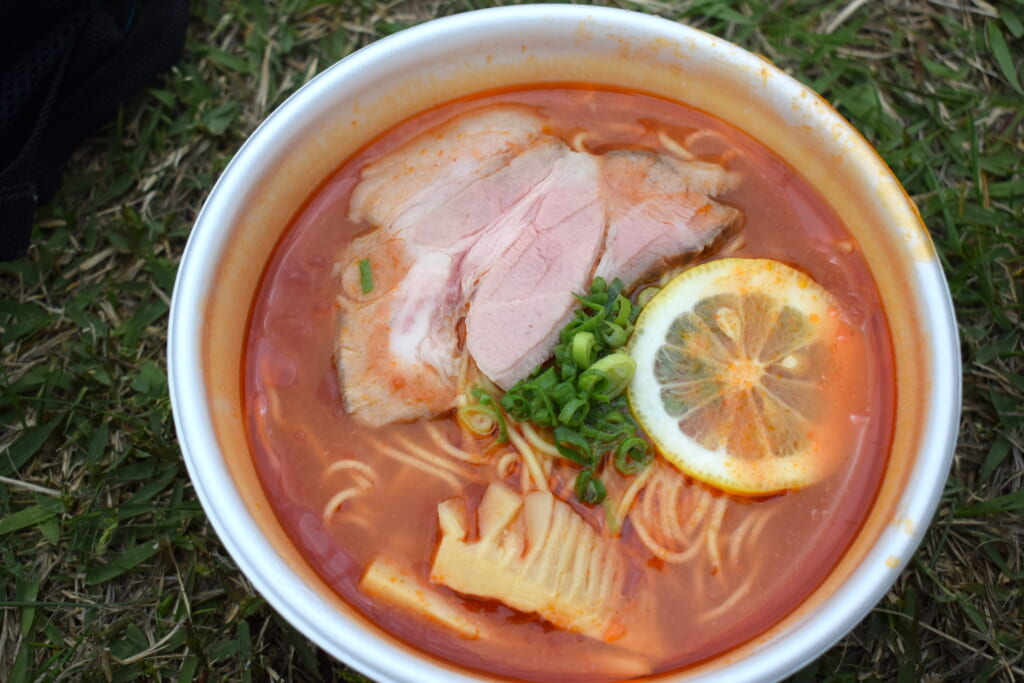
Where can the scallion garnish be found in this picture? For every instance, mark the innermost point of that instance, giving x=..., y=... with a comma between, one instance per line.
x=607, y=377
x=584, y=349
x=632, y=455
x=574, y=446
x=589, y=489
x=483, y=417
x=365, y=276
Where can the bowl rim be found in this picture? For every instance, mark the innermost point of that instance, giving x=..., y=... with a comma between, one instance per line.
x=349, y=640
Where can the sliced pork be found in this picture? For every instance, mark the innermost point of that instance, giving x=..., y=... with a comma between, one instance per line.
x=480, y=232
x=398, y=354
x=660, y=212
x=560, y=227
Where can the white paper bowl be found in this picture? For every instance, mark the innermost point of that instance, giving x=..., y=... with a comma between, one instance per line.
x=307, y=138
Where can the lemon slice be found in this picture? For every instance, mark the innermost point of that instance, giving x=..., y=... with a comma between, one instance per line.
x=732, y=362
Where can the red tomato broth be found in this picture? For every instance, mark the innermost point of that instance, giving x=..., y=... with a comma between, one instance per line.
x=297, y=423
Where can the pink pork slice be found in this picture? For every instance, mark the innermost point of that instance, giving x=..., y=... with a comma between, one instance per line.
x=407, y=188
x=397, y=351
x=526, y=296
x=660, y=213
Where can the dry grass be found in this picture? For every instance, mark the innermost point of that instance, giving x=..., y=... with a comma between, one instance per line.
x=108, y=569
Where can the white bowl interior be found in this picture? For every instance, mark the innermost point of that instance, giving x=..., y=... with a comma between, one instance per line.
x=330, y=118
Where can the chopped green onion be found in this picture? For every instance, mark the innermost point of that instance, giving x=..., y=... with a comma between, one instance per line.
x=584, y=349
x=632, y=455
x=477, y=419
x=530, y=403
x=599, y=435
x=615, y=335
x=483, y=417
x=625, y=310
x=608, y=377
x=574, y=411
x=563, y=392
x=589, y=489
x=645, y=296
x=616, y=417
x=594, y=382
x=365, y=276
x=572, y=445
x=547, y=379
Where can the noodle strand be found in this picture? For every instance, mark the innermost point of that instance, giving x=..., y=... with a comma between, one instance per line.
x=711, y=533
x=529, y=459
x=453, y=450
x=673, y=146
x=352, y=464
x=536, y=440
x=432, y=458
x=415, y=462
x=338, y=499
x=629, y=497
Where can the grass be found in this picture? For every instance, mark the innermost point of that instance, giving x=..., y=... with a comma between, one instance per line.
x=108, y=568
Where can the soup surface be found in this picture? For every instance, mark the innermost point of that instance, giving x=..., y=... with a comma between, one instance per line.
x=396, y=503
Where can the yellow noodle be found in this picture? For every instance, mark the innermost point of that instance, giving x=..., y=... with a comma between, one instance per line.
x=453, y=450
x=759, y=527
x=485, y=383
x=353, y=464
x=629, y=497
x=529, y=459
x=364, y=475
x=432, y=458
x=731, y=601
x=670, y=510
x=669, y=513
x=506, y=464
x=673, y=146
x=338, y=499
x=705, y=134
x=651, y=509
x=700, y=509
x=536, y=440
x=737, y=535
x=660, y=507
x=755, y=531
x=643, y=508
x=578, y=142
x=733, y=245
x=711, y=533
x=659, y=550
x=413, y=461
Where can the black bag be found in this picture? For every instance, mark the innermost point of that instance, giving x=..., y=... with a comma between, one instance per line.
x=65, y=66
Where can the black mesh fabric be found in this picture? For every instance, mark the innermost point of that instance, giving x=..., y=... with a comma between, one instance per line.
x=65, y=67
